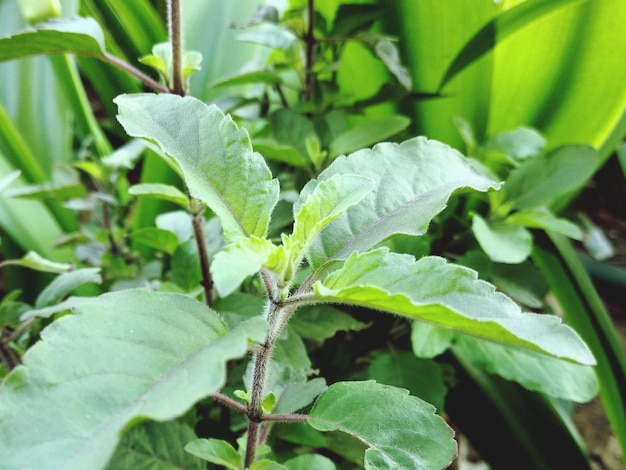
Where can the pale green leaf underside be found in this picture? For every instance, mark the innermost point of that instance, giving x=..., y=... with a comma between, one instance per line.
x=401, y=431
x=65, y=283
x=534, y=371
x=449, y=296
x=77, y=35
x=121, y=356
x=502, y=243
x=413, y=182
x=215, y=157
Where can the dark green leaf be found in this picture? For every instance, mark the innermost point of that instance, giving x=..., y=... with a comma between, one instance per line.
x=186, y=266
x=420, y=377
x=401, y=431
x=157, y=238
x=321, y=322
x=309, y=462
x=367, y=133
x=155, y=446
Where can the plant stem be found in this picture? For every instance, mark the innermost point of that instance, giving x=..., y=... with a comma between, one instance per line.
x=203, y=255
x=224, y=400
x=111, y=59
x=174, y=31
x=309, y=39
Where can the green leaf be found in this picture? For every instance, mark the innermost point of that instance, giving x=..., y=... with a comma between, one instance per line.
x=327, y=201
x=33, y=261
x=403, y=201
x=68, y=403
x=296, y=392
x=545, y=220
x=73, y=35
x=534, y=371
x=266, y=464
x=6, y=180
x=387, y=51
x=367, y=133
x=281, y=153
x=160, y=191
x=400, y=430
x=522, y=282
x=157, y=446
x=215, y=157
x=157, y=238
x=321, y=322
x=38, y=11
x=126, y=156
x=186, y=266
x=310, y=461
x=518, y=144
x=48, y=191
x=269, y=402
x=428, y=340
x=271, y=35
x=543, y=179
x=215, y=451
x=239, y=260
x=420, y=377
x=292, y=128
x=502, y=243
x=502, y=26
x=65, y=283
x=46, y=312
x=450, y=296
x=260, y=76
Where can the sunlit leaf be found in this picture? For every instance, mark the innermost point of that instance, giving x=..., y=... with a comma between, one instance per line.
x=404, y=201
x=401, y=431
x=36, y=262
x=214, y=156
x=69, y=401
x=450, y=296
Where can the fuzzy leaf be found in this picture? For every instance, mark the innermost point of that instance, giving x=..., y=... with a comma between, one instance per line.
x=74, y=35
x=502, y=243
x=215, y=451
x=534, y=371
x=239, y=260
x=328, y=200
x=65, y=283
x=449, y=296
x=215, y=157
x=401, y=431
x=403, y=202
x=122, y=356
x=155, y=446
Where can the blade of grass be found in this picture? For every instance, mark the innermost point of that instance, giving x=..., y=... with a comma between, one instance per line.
x=583, y=310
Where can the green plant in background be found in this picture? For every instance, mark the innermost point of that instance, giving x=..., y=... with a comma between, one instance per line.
x=212, y=223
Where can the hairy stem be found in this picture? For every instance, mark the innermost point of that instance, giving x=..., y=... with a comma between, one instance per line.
x=224, y=400
x=174, y=31
x=203, y=255
x=309, y=40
